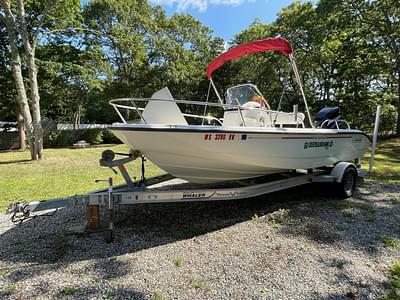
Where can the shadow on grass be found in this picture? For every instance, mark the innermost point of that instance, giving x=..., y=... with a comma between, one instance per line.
x=390, y=149
x=388, y=157
x=307, y=211
x=17, y=161
x=385, y=175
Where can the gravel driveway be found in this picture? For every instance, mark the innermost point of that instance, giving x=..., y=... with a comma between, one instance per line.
x=297, y=244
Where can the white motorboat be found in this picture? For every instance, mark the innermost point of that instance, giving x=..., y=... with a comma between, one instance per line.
x=189, y=140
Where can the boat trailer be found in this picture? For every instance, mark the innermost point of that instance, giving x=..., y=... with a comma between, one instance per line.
x=167, y=189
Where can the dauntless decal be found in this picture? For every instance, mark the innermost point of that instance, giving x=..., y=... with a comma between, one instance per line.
x=324, y=144
x=228, y=194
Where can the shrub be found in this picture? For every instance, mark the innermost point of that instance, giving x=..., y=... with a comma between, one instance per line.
x=59, y=138
x=92, y=136
x=66, y=138
x=110, y=138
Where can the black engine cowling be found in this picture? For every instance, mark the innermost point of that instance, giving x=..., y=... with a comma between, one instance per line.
x=327, y=113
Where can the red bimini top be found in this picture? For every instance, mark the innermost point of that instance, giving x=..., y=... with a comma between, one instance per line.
x=271, y=44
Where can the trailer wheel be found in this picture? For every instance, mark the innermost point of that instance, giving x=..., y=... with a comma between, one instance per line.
x=108, y=236
x=346, y=187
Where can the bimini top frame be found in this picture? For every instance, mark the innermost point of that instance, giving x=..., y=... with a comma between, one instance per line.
x=279, y=45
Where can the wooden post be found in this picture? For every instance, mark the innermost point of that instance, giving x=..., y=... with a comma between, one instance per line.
x=92, y=217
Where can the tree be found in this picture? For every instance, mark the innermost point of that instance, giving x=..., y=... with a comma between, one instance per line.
x=68, y=80
x=10, y=23
x=147, y=50
x=347, y=52
x=383, y=19
x=120, y=29
x=26, y=29
x=181, y=48
x=7, y=89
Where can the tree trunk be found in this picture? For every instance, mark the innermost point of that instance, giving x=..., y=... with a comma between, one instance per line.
x=21, y=129
x=19, y=81
x=75, y=121
x=398, y=103
x=32, y=72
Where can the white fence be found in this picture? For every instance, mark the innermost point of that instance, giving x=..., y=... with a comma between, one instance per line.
x=81, y=126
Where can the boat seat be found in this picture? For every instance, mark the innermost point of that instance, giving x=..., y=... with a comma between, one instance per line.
x=259, y=118
x=163, y=112
x=285, y=118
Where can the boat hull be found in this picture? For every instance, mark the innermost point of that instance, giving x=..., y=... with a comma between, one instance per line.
x=206, y=154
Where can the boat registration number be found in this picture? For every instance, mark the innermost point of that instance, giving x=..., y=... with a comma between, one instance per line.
x=219, y=136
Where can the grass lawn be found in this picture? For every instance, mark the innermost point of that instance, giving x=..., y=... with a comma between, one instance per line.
x=63, y=172
x=387, y=162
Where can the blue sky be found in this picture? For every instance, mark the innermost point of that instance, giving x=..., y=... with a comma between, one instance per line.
x=226, y=17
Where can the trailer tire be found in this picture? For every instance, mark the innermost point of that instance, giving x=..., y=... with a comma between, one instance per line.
x=345, y=188
x=108, y=236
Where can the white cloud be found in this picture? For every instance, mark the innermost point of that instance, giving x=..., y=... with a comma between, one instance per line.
x=200, y=5
x=226, y=45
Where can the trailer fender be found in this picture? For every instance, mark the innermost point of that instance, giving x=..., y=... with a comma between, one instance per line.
x=339, y=169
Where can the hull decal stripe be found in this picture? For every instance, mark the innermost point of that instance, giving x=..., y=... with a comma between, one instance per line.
x=209, y=130
x=317, y=137
x=212, y=130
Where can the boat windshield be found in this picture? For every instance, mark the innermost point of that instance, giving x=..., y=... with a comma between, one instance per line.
x=242, y=94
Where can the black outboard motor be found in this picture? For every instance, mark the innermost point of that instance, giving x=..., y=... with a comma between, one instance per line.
x=331, y=114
